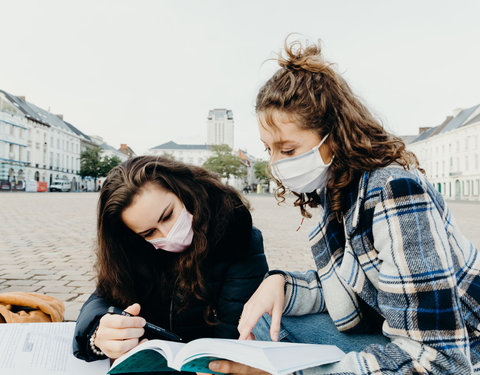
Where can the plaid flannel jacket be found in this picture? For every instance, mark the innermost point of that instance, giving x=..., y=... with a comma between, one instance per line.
x=400, y=251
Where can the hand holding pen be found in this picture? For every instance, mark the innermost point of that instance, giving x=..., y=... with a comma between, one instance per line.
x=117, y=334
x=158, y=332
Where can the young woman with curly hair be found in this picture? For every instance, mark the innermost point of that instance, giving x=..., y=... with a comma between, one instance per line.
x=176, y=248
x=397, y=285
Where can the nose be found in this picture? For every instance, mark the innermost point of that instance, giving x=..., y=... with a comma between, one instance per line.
x=161, y=232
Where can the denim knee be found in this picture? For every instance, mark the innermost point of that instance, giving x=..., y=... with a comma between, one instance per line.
x=262, y=330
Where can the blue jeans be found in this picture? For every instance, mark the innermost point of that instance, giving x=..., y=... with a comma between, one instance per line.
x=316, y=329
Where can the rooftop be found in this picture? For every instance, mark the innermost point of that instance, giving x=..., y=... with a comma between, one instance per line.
x=175, y=146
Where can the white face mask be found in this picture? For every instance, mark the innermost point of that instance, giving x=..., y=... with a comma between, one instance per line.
x=303, y=173
x=179, y=238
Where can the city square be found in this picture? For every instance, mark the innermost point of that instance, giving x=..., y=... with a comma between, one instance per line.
x=48, y=241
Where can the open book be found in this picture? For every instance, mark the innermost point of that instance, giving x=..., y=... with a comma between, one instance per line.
x=273, y=357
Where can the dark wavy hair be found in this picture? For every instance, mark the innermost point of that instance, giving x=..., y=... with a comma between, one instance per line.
x=315, y=97
x=124, y=259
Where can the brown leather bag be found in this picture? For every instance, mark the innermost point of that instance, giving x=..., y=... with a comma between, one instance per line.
x=29, y=307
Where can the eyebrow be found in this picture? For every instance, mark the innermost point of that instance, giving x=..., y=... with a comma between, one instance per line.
x=159, y=219
x=280, y=143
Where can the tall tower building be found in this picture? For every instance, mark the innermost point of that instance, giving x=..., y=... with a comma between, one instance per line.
x=220, y=127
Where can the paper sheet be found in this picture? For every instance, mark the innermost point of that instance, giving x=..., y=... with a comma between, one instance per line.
x=43, y=349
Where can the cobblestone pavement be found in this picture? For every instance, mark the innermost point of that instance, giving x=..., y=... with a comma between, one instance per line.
x=47, y=240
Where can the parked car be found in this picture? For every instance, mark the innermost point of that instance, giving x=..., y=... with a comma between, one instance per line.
x=60, y=185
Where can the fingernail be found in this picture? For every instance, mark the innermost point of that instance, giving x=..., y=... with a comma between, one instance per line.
x=275, y=336
x=213, y=365
x=144, y=322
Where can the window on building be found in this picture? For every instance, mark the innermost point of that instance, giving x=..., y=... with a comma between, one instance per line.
x=466, y=144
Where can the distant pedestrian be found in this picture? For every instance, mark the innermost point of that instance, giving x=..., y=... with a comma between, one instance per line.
x=400, y=283
x=176, y=247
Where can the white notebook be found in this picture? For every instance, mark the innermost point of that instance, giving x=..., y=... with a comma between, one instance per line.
x=43, y=349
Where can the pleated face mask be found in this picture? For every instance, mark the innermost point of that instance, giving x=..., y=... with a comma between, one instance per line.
x=304, y=173
x=179, y=238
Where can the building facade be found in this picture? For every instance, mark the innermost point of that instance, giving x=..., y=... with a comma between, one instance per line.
x=13, y=146
x=190, y=154
x=449, y=153
x=220, y=127
x=36, y=145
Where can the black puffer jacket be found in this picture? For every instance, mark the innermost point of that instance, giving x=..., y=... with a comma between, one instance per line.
x=233, y=270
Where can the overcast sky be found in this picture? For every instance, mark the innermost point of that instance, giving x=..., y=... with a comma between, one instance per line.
x=147, y=72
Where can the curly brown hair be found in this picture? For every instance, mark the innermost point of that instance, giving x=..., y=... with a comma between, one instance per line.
x=124, y=259
x=307, y=89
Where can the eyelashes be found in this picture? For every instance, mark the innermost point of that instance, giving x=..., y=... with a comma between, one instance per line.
x=164, y=219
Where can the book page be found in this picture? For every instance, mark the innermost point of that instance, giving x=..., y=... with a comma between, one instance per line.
x=273, y=357
x=43, y=349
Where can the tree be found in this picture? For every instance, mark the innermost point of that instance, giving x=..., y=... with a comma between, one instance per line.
x=108, y=163
x=260, y=168
x=224, y=163
x=92, y=164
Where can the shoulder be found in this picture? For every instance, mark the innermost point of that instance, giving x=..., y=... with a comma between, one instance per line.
x=395, y=186
x=394, y=182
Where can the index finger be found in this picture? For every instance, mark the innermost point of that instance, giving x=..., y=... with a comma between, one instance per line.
x=246, y=324
x=120, y=321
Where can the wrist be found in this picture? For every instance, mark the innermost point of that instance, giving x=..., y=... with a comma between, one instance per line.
x=95, y=349
x=281, y=276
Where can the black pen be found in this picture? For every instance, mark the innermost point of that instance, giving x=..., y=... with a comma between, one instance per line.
x=162, y=332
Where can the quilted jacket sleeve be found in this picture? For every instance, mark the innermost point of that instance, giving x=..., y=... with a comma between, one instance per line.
x=242, y=278
x=88, y=319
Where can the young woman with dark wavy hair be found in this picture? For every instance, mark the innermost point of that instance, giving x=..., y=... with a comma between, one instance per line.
x=176, y=248
x=397, y=285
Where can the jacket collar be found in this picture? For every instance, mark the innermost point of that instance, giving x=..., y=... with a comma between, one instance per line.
x=357, y=197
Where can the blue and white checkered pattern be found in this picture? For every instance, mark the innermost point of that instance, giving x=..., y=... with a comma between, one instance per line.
x=400, y=251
